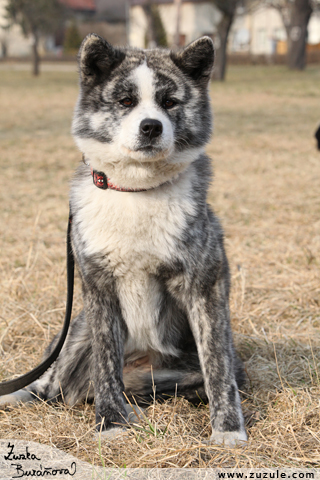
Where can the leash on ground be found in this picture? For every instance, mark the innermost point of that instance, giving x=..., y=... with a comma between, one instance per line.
x=11, y=386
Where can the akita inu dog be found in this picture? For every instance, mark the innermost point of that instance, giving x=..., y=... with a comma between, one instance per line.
x=155, y=276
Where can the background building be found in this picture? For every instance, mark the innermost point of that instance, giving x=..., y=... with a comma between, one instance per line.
x=257, y=33
x=12, y=41
x=107, y=18
x=261, y=32
x=197, y=18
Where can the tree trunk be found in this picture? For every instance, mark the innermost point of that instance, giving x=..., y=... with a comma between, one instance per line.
x=151, y=35
x=155, y=34
x=177, y=4
x=4, y=48
x=221, y=43
x=298, y=34
x=36, y=57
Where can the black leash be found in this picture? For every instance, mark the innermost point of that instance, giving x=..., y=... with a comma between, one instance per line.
x=101, y=181
x=21, y=382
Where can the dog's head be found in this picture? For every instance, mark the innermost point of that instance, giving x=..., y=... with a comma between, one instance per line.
x=142, y=105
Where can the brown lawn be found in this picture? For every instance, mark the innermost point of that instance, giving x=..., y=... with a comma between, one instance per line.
x=266, y=192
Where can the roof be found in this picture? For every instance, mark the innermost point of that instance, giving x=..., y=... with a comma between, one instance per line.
x=160, y=2
x=111, y=10
x=88, y=5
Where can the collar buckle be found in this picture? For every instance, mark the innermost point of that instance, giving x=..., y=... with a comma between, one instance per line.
x=99, y=179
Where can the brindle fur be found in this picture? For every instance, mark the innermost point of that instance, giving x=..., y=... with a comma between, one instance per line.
x=154, y=272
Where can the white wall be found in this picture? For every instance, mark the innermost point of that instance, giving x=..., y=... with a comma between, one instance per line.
x=137, y=27
x=314, y=28
x=257, y=33
x=266, y=29
x=17, y=44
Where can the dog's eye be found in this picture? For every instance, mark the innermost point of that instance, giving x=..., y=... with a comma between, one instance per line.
x=168, y=103
x=127, y=102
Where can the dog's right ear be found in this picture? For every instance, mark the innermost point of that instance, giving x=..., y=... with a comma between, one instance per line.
x=97, y=58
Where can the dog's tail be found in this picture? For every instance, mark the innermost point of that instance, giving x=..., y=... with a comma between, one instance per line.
x=145, y=385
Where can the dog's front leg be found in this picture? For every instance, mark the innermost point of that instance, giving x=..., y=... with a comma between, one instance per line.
x=209, y=320
x=107, y=329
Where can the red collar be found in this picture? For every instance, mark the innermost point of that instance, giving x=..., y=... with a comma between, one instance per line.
x=101, y=180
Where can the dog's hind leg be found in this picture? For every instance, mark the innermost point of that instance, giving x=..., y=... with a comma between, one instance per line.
x=20, y=396
x=69, y=376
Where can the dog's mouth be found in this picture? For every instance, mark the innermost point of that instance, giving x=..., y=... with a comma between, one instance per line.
x=148, y=149
x=146, y=152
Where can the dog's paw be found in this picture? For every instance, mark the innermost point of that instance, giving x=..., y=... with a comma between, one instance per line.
x=20, y=396
x=110, y=434
x=228, y=439
x=134, y=413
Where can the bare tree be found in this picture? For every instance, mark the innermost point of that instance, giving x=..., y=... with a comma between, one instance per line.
x=298, y=34
x=4, y=47
x=36, y=18
x=228, y=10
x=155, y=34
x=295, y=15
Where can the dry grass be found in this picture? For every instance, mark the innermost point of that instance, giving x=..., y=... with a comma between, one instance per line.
x=266, y=192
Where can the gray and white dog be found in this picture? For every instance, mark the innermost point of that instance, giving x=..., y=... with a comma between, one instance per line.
x=149, y=249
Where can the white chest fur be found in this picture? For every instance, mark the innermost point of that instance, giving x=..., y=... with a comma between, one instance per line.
x=136, y=232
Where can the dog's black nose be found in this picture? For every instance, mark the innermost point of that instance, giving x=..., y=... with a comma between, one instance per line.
x=151, y=128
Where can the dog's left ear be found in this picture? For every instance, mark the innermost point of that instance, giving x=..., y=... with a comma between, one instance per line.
x=197, y=59
x=97, y=58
